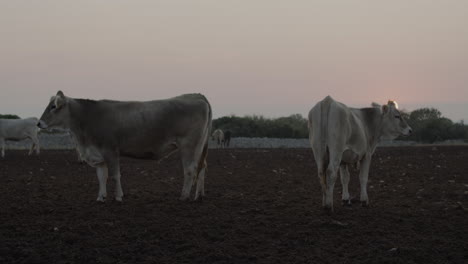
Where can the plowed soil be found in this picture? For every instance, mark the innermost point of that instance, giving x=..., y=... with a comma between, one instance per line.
x=261, y=206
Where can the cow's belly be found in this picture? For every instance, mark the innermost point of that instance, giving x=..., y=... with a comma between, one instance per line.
x=16, y=138
x=153, y=153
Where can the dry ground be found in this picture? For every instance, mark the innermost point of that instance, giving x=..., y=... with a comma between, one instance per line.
x=262, y=206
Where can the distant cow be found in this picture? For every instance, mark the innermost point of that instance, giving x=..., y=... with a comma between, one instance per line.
x=227, y=138
x=341, y=136
x=105, y=130
x=218, y=136
x=19, y=129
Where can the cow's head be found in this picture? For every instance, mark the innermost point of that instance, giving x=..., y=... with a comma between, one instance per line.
x=393, y=123
x=56, y=113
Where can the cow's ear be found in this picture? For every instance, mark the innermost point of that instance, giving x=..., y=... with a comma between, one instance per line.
x=385, y=109
x=60, y=100
x=60, y=93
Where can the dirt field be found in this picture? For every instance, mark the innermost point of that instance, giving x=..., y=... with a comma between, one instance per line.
x=262, y=206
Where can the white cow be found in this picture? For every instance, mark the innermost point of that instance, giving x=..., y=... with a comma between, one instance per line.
x=218, y=137
x=19, y=129
x=340, y=136
x=105, y=130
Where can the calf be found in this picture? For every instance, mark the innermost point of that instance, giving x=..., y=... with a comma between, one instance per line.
x=19, y=129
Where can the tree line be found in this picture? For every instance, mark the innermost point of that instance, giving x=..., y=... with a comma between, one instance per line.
x=9, y=116
x=428, y=126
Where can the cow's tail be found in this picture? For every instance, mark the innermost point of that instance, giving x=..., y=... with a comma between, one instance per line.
x=324, y=115
x=206, y=135
x=318, y=132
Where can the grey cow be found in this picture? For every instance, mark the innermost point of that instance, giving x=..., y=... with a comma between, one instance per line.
x=340, y=136
x=19, y=129
x=105, y=130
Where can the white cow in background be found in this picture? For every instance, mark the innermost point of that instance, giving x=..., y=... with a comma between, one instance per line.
x=218, y=136
x=19, y=129
x=340, y=136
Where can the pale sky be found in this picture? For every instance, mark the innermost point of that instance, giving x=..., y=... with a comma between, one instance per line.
x=267, y=57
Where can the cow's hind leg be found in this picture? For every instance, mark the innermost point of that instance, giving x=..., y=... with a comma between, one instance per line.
x=332, y=173
x=2, y=141
x=31, y=148
x=190, y=161
x=102, y=173
x=323, y=182
x=200, y=191
x=190, y=170
x=344, y=173
x=34, y=145
x=37, y=146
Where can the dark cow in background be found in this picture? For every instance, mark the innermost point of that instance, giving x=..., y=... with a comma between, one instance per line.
x=19, y=129
x=340, y=136
x=105, y=130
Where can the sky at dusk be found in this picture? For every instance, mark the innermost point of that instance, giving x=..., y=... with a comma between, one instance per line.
x=273, y=58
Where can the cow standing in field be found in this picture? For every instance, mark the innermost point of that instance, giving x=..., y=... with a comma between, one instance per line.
x=218, y=137
x=19, y=129
x=227, y=138
x=105, y=130
x=341, y=136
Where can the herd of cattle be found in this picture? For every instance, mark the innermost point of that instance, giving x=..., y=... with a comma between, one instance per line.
x=105, y=130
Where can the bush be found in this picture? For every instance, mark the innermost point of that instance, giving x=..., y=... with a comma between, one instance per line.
x=294, y=126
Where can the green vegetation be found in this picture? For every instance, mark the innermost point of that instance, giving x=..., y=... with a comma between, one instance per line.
x=428, y=126
x=8, y=116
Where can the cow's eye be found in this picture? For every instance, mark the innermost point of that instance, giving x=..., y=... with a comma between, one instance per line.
x=52, y=107
x=397, y=117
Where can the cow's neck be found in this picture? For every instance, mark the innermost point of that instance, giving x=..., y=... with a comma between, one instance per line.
x=373, y=125
x=81, y=111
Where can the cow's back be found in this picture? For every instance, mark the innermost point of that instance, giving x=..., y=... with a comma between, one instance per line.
x=137, y=126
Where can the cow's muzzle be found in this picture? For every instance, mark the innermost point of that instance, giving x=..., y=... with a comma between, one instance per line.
x=41, y=124
x=407, y=132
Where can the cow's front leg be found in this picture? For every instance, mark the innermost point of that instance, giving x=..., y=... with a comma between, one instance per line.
x=363, y=177
x=344, y=173
x=102, y=174
x=114, y=171
x=38, y=147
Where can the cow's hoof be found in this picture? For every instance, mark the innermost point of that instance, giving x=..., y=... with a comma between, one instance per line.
x=183, y=198
x=198, y=199
x=346, y=203
x=327, y=210
x=364, y=204
x=118, y=199
x=101, y=199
